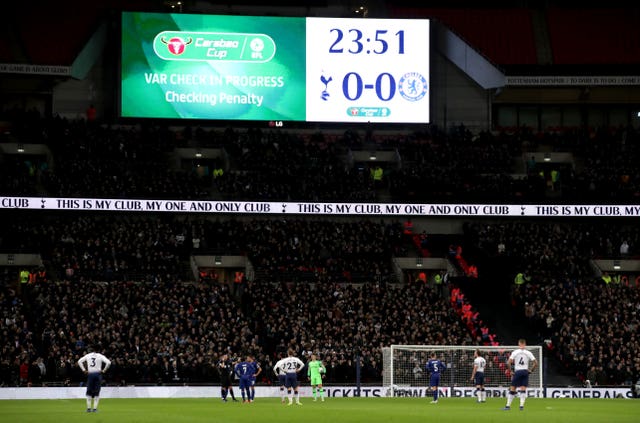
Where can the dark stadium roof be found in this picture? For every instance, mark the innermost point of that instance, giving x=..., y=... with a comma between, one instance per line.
x=53, y=33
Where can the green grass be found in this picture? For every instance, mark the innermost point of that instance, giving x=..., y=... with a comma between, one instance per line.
x=333, y=410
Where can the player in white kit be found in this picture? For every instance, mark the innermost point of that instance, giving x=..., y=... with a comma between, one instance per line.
x=291, y=366
x=477, y=376
x=94, y=365
x=520, y=359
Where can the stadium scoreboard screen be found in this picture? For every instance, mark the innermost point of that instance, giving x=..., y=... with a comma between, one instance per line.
x=274, y=68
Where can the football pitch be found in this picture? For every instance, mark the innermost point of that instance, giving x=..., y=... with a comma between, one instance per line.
x=333, y=410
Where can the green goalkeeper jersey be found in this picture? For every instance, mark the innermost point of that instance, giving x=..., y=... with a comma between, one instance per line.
x=315, y=368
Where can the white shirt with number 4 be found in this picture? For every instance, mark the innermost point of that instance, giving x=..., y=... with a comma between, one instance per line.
x=521, y=359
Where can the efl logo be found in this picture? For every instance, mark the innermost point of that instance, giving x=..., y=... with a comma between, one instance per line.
x=176, y=45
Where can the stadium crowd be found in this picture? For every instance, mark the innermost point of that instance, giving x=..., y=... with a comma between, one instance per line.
x=589, y=322
x=109, y=247
x=175, y=332
x=282, y=166
x=132, y=162
x=592, y=327
x=160, y=329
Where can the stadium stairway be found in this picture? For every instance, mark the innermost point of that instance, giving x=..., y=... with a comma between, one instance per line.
x=490, y=295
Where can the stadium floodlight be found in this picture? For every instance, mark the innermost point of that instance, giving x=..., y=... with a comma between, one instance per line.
x=399, y=362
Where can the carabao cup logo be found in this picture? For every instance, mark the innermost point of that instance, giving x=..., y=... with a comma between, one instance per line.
x=176, y=45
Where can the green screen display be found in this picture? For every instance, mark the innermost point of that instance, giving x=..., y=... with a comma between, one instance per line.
x=213, y=67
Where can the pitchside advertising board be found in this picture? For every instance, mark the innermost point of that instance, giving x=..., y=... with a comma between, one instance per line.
x=275, y=68
x=305, y=392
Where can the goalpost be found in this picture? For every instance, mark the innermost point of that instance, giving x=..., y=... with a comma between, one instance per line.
x=404, y=372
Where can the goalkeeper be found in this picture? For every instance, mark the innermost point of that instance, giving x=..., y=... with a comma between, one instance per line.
x=316, y=371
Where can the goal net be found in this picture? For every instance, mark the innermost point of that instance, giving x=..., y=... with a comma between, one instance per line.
x=405, y=374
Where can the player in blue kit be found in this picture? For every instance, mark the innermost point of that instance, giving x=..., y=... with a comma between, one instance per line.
x=435, y=367
x=256, y=371
x=245, y=371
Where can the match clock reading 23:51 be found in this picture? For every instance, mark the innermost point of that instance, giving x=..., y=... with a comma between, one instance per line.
x=367, y=70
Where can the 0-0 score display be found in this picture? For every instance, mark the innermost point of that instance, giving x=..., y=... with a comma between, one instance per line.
x=368, y=70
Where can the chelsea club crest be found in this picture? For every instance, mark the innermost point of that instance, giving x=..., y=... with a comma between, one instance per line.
x=412, y=86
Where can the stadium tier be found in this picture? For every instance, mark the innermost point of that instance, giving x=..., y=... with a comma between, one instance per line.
x=184, y=183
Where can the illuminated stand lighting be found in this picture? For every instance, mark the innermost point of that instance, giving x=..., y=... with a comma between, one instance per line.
x=373, y=156
x=419, y=262
x=217, y=260
x=361, y=11
x=175, y=6
x=616, y=265
x=20, y=148
x=547, y=157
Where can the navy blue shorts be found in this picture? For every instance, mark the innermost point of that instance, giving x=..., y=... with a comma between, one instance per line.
x=479, y=378
x=520, y=378
x=94, y=383
x=291, y=380
x=245, y=382
x=281, y=380
x=435, y=379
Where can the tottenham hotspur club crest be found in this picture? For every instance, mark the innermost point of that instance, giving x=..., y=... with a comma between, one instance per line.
x=412, y=86
x=325, y=81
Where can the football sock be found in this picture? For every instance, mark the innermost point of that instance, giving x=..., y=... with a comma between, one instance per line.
x=232, y=394
x=510, y=396
x=523, y=397
x=321, y=392
x=282, y=393
x=314, y=392
x=224, y=393
x=88, y=402
x=435, y=394
x=95, y=402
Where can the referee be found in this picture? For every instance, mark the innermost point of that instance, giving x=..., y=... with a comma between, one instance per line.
x=225, y=367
